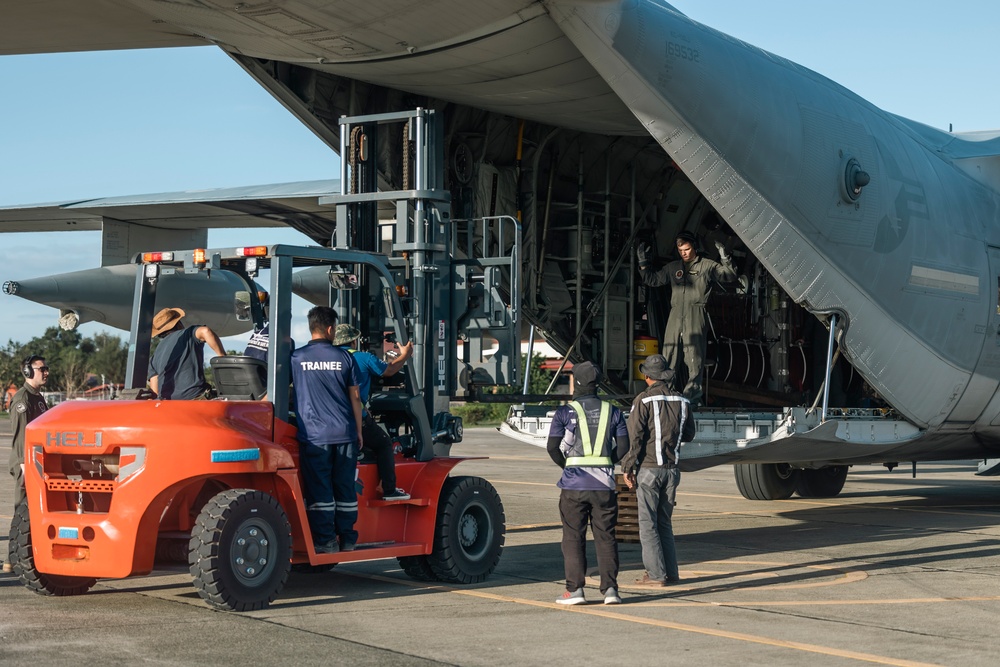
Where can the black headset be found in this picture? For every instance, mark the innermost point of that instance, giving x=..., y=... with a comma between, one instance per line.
x=688, y=237
x=26, y=368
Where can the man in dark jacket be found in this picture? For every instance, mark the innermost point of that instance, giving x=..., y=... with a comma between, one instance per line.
x=586, y=438
x=659, y=421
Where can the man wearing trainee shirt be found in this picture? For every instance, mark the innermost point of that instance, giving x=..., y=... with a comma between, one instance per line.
x=328, y=410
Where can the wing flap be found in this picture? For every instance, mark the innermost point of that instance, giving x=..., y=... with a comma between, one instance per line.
x=293, y=205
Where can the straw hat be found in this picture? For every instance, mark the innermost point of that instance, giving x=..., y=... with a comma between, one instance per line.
x=166, y=319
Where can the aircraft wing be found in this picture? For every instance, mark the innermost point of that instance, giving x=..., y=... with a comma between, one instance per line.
x=288, y=204
x=975, y=153
x=57, y=26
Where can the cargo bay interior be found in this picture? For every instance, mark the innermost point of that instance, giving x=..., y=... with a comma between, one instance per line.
x=585, y=200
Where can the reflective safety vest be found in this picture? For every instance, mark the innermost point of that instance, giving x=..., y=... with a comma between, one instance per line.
x=591, y=448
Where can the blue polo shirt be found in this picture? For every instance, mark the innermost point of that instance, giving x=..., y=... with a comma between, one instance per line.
x=323, y=374
x=370, y=366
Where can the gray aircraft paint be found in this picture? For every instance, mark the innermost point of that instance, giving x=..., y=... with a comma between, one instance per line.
x=766, y=141
x=909, y=264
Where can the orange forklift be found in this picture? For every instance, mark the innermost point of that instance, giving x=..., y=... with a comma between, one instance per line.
x=113, y=485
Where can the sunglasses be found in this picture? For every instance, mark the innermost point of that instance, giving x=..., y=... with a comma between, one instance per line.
x=44, y=369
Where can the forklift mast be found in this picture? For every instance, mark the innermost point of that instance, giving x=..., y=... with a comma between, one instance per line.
x=459, y=279
x=420, y=276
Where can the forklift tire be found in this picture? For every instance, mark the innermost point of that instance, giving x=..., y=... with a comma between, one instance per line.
x=22, y=561
x=470, y=531
x=241, y=550
x=765, y=481
x=417, y=567
x=825, y=482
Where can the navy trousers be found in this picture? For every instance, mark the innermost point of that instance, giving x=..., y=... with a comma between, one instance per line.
x=328, y=473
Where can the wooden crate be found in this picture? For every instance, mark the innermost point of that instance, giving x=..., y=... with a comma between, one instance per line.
x=628, y=513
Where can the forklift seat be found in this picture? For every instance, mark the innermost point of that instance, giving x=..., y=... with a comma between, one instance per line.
x=240, y=378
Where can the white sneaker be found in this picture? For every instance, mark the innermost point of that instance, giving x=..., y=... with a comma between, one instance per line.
x=611, y=596
x=574, y=597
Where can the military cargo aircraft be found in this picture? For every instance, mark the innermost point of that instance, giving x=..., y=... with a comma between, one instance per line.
x=867, y=243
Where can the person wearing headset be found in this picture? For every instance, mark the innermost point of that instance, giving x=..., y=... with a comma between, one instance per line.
x=27, y=404
x=691, y=279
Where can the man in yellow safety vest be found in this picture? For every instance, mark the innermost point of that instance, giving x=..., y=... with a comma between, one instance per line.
x=586, y=438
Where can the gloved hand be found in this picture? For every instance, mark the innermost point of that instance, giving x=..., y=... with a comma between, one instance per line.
x=644, y=253
x=722, y=252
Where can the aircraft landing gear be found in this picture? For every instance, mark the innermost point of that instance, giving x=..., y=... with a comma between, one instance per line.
x=822, y=483
x=765, y=481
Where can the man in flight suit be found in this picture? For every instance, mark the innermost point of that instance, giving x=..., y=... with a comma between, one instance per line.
x=690, y=279
x=27, y=404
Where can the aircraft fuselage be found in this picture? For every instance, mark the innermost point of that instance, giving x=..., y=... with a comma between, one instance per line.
x=906, y=262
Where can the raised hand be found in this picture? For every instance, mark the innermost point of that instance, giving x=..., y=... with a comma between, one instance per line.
x=722, y=252
x=644, y=253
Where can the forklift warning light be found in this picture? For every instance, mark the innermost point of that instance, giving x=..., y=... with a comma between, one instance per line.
x=254, y=251
x=148, y=257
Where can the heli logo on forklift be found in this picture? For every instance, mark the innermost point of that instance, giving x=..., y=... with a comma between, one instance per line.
x=441, y=357
x=231, y=455
x=70, y=439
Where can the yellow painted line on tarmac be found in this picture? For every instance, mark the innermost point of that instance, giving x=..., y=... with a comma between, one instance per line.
x=839, y=575
x=533, y=526
x=918, y=510
x=770, y=510
x=604, y=612
x=843, y=505
x=813, y=603
x=491, y=457
x=693, y=581
x=681, y=513
x=788, y=501
x=509, y=481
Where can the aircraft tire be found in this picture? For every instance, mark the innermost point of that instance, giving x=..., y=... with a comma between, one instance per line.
x=822, y=483
x=417, y=567
x=22, y=562
x=765, y=481
x=240, y=550
x=470, y=531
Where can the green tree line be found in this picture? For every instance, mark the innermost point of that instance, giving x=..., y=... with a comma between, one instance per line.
x=494, y=413
x=70, y=357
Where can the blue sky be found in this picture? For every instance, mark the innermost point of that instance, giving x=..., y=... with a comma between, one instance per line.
x=78, y=126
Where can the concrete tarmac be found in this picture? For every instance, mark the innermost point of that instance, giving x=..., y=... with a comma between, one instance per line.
x=895, y=571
